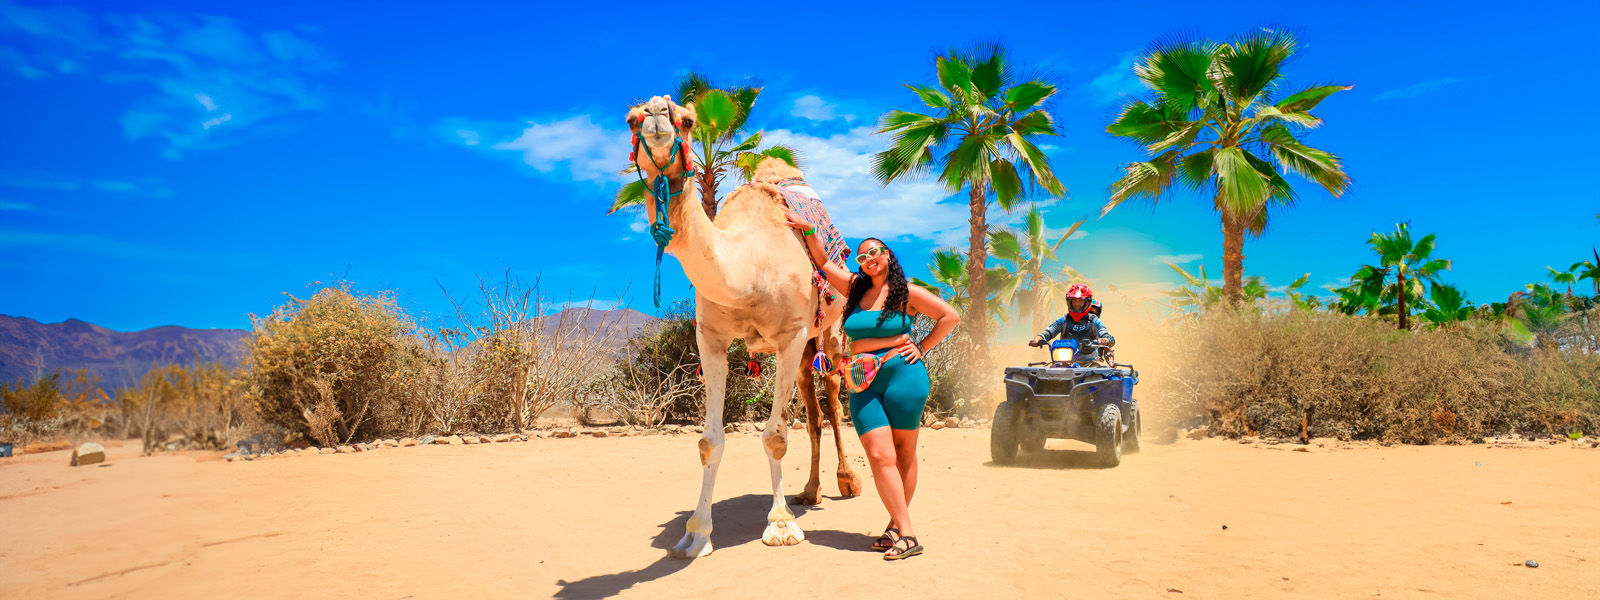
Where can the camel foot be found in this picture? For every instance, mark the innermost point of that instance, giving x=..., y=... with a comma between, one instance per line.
x=849, y=485
x=782, y=533
x=808, y=497
x=693, y=545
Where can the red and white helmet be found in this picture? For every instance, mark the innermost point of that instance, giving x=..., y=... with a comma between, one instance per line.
x=1080, y=290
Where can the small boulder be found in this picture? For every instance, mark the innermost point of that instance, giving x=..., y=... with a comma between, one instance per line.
x=937, y=425
x=699, y=428
x=407, y=443
x=484, y=439
x=467, y=439
x=952, y=422
x=454, y=440
x=797, y=426
x=329, y=451
x=1532, y=564
x=425, y=440
x=561, y=435
x=390, y=443
x=501, y=438
x=88, y=454
x=599, y=434
x=762, y=426
x=346, y=449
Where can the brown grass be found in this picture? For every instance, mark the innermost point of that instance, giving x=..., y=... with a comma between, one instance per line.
x=1240, y=373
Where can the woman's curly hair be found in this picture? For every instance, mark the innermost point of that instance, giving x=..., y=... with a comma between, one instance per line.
x=899, y=293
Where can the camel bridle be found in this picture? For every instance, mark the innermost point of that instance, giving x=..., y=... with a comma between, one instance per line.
x=660, y=186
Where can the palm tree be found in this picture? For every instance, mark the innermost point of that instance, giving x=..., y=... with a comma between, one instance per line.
x=1210, y=120
x=979, y=134
x=1301, y=300
x=1029, y=254
x=1449, y=305
x=1590, y=270
x=1569, y=276
x=951, y=281
x=1198, y=292
x=1537, y=315
x=1364, y=293
x=1411, y=264
x=721, y=114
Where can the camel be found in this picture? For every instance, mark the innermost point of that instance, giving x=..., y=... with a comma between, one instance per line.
x=753, y=281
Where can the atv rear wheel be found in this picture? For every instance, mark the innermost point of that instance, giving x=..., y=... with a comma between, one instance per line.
x=1108, y=436
x=1003, y=434
x=1133, y=440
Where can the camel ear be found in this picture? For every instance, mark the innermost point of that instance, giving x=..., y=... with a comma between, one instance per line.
x=635, y=117
x=688, y=118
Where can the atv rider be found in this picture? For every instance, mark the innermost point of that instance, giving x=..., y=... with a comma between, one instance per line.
x=1081, y=323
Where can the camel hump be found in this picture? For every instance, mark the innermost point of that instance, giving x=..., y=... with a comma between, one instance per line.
x=773, y=170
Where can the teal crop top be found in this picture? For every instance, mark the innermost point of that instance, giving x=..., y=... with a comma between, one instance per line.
x=863, y=324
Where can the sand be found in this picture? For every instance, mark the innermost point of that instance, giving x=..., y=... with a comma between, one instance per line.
x=591, y=518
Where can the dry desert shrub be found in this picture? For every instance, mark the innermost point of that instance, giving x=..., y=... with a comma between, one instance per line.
x=1297, y=374
x=335, y=367
x=514, y=357
x=198, y=406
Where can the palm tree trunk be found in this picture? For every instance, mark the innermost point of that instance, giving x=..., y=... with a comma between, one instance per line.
x=708, y=193
x=1036, y=306
x=1401, y=295
x=977, y=318
x=1233, y=259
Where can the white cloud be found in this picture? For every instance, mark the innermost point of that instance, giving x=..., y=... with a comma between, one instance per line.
x=587, y=151
x=813, y=107
x=840, y=169
x=469, y=137
x=1177, y=259
x=1417, y=89
x=201, y=72
x=1117, y=81
x=151, y=187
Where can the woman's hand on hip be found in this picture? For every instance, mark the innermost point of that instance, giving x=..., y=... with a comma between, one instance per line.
x=909, y=351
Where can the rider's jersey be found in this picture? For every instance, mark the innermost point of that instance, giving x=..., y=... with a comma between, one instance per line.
x=1085, y=330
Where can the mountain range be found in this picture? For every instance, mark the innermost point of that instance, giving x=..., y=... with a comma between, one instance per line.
x=29, y=349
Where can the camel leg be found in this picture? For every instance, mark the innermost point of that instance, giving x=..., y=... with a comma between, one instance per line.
x=808, y=395
x=781, y=530
x=696, y=540
x=849, y=483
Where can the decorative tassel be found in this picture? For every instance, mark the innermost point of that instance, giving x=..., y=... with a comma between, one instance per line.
x=753, y=369
x=820, y=363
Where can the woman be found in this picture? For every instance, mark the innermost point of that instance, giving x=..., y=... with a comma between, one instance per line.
x=878, y=318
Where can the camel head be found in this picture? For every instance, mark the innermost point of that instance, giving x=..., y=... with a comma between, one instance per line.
x=656, y=125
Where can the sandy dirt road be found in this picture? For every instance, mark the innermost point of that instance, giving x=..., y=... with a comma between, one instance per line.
x=591, y=518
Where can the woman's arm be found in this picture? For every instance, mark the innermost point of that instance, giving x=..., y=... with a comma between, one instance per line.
x=838, y=276
x=924, y=302
x=873, y=344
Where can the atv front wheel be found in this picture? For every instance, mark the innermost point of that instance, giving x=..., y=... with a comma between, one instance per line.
x=1108, y=436
x=1003, y=434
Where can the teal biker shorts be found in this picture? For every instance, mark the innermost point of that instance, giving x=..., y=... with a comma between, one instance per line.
x=896, y=397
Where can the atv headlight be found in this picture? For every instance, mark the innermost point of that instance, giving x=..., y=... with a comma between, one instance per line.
x=1061, y=354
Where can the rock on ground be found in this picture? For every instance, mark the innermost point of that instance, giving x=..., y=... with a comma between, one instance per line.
x=88, y=454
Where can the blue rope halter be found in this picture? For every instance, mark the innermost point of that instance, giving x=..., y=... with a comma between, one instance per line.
x=661, y=188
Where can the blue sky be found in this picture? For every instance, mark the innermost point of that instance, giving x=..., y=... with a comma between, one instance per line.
x=188, y=163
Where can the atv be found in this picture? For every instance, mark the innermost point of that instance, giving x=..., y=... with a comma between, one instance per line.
x=1078, y=395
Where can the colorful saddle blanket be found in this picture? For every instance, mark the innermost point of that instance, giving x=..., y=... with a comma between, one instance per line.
x=805, y=201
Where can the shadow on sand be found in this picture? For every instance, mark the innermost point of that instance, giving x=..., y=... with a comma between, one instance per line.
x=1053, y=459
x=739, y=521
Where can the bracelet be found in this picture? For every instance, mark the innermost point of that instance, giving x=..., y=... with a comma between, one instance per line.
x=808, y=232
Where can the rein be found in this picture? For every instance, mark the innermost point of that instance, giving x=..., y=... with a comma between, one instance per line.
x=661, y=187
